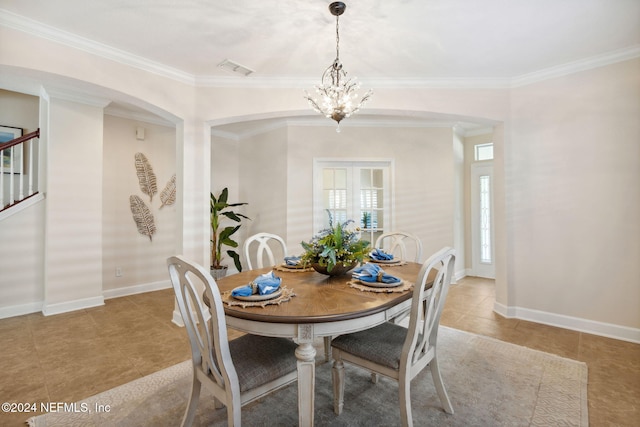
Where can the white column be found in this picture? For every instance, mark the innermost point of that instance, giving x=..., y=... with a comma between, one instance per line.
x=193, y=172
x=504, y=296
x=193, y=166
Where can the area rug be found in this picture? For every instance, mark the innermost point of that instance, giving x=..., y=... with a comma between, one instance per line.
x=490, y=383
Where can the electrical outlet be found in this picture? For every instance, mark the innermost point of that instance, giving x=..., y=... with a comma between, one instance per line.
x=118, y=272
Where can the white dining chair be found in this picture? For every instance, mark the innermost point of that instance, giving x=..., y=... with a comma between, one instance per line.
x=263, y=242
x=237, y=371
x=400, y=243
x=395, y=351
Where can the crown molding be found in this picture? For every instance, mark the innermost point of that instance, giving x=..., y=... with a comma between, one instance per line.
x=21, y=23
x=577, y=66
x=39, y=29
x=438, y=83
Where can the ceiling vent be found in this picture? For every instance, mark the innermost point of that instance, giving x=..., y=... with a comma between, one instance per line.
x=234, y=67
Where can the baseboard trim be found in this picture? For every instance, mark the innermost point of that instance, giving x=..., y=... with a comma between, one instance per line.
x=20, y=310
x=461, y=274
x=608, y=330
x=67, y=306
x=136, y=289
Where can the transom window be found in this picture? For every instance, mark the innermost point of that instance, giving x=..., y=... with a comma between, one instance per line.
x=484, y=151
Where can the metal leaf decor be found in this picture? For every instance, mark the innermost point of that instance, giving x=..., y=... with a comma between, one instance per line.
x=142, y=216
x=168, y=195
x=146, y=177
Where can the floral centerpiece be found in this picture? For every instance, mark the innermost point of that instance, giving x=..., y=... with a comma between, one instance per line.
x=335, y=250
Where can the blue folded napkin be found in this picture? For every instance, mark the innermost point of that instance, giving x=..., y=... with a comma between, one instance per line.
x=264, y=284
x=373, y=273
x=379, y=255
x=292, y=260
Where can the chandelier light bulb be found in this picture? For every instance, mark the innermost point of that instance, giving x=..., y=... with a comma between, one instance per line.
x=337, y=91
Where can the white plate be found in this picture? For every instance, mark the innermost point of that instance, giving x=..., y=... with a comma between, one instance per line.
x=258, y=297
x=380, y=284
x=386, y=261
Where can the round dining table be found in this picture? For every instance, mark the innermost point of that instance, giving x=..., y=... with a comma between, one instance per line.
x=321, y=306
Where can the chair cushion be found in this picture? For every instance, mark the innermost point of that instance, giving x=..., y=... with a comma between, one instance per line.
x=382, y=344
x=259, y=359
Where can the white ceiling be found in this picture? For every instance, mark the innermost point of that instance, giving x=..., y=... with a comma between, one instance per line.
x=394, y=41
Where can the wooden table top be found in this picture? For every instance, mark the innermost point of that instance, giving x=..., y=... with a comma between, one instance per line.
x=318, y=298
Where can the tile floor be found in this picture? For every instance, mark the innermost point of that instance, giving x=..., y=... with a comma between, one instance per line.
x=68, y=357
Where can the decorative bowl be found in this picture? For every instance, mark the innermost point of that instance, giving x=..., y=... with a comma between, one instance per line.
x=337, y=270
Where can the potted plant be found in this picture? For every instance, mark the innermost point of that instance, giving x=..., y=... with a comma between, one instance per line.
x=222, y=236
x=335, y=250
x=366, y=220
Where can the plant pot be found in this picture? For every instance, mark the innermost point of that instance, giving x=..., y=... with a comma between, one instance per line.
x=337, y=270
x=219, y=273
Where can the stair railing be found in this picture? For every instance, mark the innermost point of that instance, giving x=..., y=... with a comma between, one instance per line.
x=14, y=167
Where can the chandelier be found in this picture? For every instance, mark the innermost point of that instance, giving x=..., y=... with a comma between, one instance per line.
x=338, y=93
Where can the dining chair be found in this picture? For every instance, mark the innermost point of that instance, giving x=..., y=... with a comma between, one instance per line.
x=400, y=244
x=237, y=371
x=395, y=351
x=400, y=241
x=263, y=240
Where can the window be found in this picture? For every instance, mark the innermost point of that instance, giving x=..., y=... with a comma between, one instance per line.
x=353, y=190
x=484, y=151
x=485, y=218
x=482, y=227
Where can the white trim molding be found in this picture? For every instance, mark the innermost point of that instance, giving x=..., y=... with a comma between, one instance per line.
x=136, y=289
x=608, y=330
x=21, y=206
x=461, y=274
x=67, y=306
x=48, y=310
x=584, y=64
x=19, y=310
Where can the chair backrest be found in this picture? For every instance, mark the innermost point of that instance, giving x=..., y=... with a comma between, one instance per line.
x=208, y=337
x=398, y=241
x=263, y=240
x=426, y=307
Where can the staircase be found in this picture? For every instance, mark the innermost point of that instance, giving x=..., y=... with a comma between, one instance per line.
x=18, y=171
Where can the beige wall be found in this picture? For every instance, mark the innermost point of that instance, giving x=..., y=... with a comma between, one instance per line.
x=141, y=261
x=19, y=110
x=263, y=181
x=21, y=255
x=73, y=213
x=573, y=180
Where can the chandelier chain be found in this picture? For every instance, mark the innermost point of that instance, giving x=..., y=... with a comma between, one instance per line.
x=337, y=39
